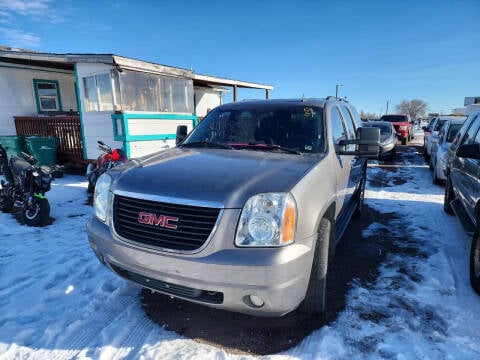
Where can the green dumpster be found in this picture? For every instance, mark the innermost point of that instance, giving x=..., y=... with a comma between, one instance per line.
x=13, y=144
x=43, y=149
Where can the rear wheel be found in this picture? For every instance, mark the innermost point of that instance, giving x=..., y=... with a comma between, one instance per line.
x=315, y=298
x=475, y=262
x=449, y=196
x=37, y=213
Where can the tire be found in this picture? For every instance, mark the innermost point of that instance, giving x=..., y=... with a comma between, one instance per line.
x=394, y=154
x=37, y=214
x=475, y=262
x=449, y=196
x=436, y=180
x=315, y=298
x=404, y=141
x=92, y=180
x=360, y=196
x=6, y=202
x=90, y=188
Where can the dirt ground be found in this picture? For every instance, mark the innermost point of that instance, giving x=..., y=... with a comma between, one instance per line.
x=357, y=259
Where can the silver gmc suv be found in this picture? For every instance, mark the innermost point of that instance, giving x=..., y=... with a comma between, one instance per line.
x=245, y=213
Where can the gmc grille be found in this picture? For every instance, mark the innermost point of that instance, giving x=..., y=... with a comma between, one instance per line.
x=194, y=225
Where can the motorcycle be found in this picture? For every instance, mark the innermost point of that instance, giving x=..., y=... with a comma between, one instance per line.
x=108, y=159
x=25, y=187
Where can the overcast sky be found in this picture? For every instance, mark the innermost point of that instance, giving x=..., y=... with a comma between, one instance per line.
x=377, y=50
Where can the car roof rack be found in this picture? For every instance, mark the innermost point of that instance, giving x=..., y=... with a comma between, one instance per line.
x=336, y=98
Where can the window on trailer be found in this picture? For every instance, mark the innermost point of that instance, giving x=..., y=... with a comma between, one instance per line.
x=47, y=95
x=98, y=92
x=155, y=93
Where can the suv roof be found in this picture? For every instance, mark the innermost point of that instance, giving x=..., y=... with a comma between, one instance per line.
x=452, y=117
x=320, y=102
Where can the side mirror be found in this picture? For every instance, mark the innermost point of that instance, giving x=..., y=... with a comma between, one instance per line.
x=368, y=141
x=181, y=134
x=471, y=151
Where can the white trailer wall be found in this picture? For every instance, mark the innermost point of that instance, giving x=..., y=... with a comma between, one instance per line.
x=206, y=99
x=17, y=94
x=97, y=125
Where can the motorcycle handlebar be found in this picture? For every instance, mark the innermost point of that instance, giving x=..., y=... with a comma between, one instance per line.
x=105, y=148
x=30, y=159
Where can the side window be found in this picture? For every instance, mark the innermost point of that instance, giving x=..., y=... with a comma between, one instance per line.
x=477, y=138
x=338, y=128
x=349, y=122
x=472, y=130
x=47, y=95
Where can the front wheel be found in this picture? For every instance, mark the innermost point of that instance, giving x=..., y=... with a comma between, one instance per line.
x=475, y=262
x=449, y=196
x=6, y=201
x=315, y=298
x=360, y=196
x=436, y=179
x=37, y=213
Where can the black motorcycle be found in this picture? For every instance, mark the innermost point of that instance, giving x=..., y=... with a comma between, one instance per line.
x=25, y=187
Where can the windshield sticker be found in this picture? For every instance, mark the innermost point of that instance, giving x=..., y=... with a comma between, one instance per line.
x=308, y=112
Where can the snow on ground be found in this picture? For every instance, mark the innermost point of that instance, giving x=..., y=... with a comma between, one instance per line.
x=58, y=302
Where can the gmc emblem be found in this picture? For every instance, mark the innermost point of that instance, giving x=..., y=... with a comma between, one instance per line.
x=157, y=220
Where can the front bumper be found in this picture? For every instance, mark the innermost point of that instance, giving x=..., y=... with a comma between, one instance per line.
x=218, y=276
x=387, y=150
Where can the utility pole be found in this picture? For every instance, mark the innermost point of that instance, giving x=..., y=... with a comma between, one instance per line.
x=336, y=90
x=386, y=111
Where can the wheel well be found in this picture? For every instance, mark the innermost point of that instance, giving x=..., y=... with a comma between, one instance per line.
x=330, y=215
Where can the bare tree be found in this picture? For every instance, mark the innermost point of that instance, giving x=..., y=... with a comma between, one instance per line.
x=367, y=115
x=415, y=108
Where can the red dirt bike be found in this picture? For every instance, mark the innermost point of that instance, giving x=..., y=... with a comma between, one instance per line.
x=107, y=160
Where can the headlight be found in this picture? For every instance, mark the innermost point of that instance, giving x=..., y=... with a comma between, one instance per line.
x=267, y=220
x=100, y=197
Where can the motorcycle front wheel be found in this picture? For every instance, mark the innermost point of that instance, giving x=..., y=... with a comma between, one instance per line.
x=36, y=214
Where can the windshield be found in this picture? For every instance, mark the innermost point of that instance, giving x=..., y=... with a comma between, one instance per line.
x=294, y=127
x=394, y=118
x=384, y=128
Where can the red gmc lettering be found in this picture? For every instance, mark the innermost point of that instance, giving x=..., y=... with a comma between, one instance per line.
x=157, y=220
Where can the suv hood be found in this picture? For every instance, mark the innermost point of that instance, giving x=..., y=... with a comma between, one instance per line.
x=228, y=177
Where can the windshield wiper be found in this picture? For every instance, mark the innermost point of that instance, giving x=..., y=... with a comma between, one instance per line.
x=266, y=147
x=208, y=144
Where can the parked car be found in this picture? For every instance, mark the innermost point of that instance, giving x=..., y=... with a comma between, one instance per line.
x=426, y=134
x=403, y=126
x=433, y=129
x=462, y=190
x=441, y=149
x=388, y=138
x=245, y=213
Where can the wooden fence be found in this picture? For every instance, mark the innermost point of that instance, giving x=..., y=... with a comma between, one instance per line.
x=66, y=128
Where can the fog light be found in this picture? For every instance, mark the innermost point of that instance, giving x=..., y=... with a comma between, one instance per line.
x=256, y=300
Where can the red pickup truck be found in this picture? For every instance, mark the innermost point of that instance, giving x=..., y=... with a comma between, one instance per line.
x=402, y=125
